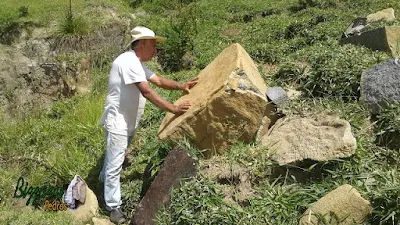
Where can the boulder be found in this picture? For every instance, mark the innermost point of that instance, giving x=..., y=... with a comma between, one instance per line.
x=278, y=96
x=177, y=165
x=386, y=15
x=87, y=211
x=342, y=206
x=385, y=39
x=228, y=104
x=294, y=139
x=380, y=84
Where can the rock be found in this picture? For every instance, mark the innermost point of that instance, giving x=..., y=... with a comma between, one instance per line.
x=380, y=84
x=277, y=95
x=325, y=137
x=386, y=15
x=101, y=221
x=346, y=204
x=86, y=211
x=385, y=39
x=177, y=165
x=356, y=27
x=228, y=104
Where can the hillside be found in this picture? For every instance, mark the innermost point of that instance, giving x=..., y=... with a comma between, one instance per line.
x=49, y=124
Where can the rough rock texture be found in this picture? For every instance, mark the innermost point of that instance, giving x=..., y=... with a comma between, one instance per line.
x=277, y=95
x=346, y=204
x=380, y=84
x=86, y=211
x=39, y=68
x=383, y=39
x=228, y=104
x=177, y=165
x=322, y=138
x=386, y=15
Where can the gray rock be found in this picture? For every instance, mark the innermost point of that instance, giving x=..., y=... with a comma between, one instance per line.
x=380, y=84
x=277, y=95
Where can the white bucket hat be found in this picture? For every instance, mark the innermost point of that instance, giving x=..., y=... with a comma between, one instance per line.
x=140, y=33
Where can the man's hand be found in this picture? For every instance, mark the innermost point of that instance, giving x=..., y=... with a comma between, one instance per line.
x=182, y=108
x=188, y=85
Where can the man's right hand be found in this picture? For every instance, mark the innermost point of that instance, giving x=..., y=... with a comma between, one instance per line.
x=182, y=108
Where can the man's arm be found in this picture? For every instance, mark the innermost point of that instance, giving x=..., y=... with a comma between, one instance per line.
x=173, y=85
x=156, y=99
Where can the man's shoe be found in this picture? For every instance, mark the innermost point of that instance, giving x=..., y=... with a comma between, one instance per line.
x=116, y=216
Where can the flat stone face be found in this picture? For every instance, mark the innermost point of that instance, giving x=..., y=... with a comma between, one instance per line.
x=380, y=84
x=293, y=139
x=386, y=15
x=383, y=39
x=177, y=165
x=228, y=104
x=346, y=204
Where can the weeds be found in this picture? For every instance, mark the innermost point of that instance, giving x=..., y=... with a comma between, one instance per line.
x=73, y=25
x=67, y=139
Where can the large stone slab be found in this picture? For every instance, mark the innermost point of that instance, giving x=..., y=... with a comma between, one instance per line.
x=294, y=139
x=177, y=165
x=380, y=84
x=385, y=39
x=228, y=104
x=386, y=15
x=342, y=206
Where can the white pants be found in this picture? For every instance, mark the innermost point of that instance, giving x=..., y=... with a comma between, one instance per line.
x=110, y=173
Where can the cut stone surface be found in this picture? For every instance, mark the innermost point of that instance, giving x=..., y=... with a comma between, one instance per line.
x=380, y=84
x=294, y=139
x=385, y=39
x=177, y=165
x=386, y=15
x=344, y=202
x=228, y=104
x=87, y=211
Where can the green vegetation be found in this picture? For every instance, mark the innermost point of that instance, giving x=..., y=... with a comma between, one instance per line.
x=299, y=37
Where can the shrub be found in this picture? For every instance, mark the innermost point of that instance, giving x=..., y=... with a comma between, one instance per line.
x=180, y=33
x=10, y=29
x=72, y=25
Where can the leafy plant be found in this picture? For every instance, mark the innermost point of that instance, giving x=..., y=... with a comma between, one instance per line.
x=72, y=25
x=180, y=33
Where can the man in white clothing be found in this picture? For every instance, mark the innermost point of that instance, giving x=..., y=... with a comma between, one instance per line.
x=128, y=90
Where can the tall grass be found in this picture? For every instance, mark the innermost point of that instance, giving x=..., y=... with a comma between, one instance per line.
x=50, y=147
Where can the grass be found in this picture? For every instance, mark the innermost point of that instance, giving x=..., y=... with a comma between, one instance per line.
x=51, y=146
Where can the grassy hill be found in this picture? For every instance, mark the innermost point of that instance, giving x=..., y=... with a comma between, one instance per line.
x=293, y=42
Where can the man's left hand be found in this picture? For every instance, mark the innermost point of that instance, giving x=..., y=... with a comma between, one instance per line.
x=189, y=84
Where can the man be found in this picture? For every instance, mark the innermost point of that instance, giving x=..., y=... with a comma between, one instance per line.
x=127, y=93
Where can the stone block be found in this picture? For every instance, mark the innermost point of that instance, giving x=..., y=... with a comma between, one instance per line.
x=385, y=39
x=342, y=206
x=228, y=104
x=323, y=138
